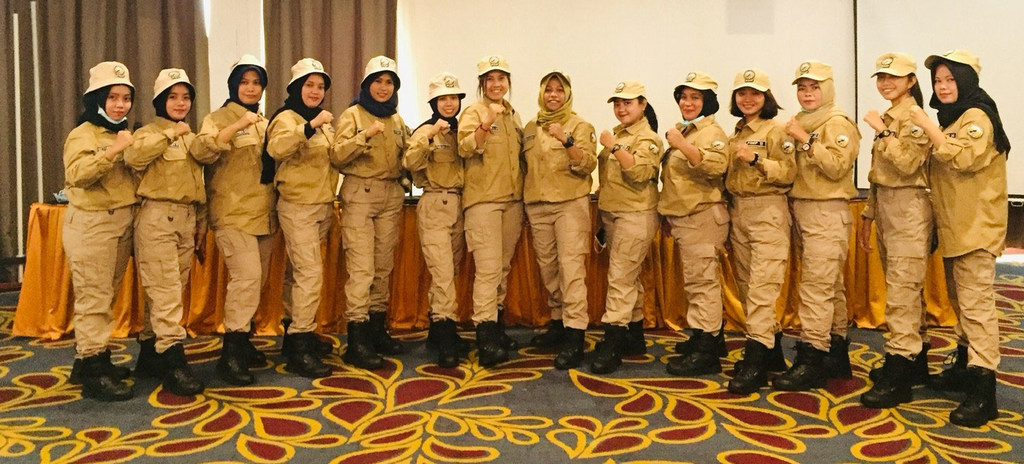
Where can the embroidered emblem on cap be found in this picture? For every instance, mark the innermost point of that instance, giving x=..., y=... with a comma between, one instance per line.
x=494, y=61
x=788, y=147
x=385, y=63
x=690, y=77
x=916, y=131
x=842, y=141
x=316, y=65
x=975, y=131
x=748, y=75
x=718, y=144
x=174, y=74
x=119, y=71
x=949, y=53
x=618, y=88
x=887, y=62
x=805, y=67
x=449, y=82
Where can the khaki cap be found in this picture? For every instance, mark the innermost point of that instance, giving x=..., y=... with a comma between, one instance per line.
x=381, y=63
x=444, y=84
x=957, y=55
x=896, y=64
x=490, y=63
x=307, y=66
x=108, y=73
x=167, y=78
x=753, y=78
x=628, y=90
x=814, y=70
x=698, y=81
x=249, y=60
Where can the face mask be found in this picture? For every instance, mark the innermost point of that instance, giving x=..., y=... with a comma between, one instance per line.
x=687, y=123
x=104, y=114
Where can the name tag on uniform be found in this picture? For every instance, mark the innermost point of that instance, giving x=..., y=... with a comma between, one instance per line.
x=494, y=127
x=398, y=132
x=951, y=135
x=757, y=143
x=442, y=146
x=242, y=132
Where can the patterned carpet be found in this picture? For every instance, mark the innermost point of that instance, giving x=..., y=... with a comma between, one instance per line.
x=522, y=411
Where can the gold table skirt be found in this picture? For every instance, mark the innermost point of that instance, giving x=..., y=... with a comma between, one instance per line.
x=46, y=303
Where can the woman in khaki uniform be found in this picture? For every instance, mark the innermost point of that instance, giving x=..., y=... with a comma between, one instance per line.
x=627, y=202
x=560, y=153
x=761, y=170
x=97, y=231
x=436, y=167
x=371, y=139
x=299, y=139
x=490, y=140
x=967, y=173
x=241, y=210
x=827, y=142
x=167, y=228
x=898, y=204
x=693, y=204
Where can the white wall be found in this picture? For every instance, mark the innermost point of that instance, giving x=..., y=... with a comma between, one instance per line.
x=602, y=42
x=235, y=27
x=988, y=28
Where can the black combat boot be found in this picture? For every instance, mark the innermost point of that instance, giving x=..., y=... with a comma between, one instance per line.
x=148, y=363
x=635, y=343
x=360, y=351
x=489, y=350
x=435, y=341
x=117, y=372
x=571, y=355
x=508, y=343
x=552, y=337
x=177, y=375
x=233, y=366
x=893, y=386
x=684, y=347
x=979, y=406
x=837, y=363
x=954, y=378
x=918, y=373
x=253, y=355
x=303, y=358
x=321, y=347
x=382, y=340
x=807, y=372
x=775, y=360
x=750, y=374
x=702, y=359
x=99, y=380
x=447, y=342
x=609, y=351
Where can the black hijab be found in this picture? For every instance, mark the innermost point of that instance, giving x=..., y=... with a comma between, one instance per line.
x=436, y=115
x=95, y=101
x=969, y=95
x=160, y=101
x=376, y=108
x=235, y=79
x=293, y=102
x=710, y=100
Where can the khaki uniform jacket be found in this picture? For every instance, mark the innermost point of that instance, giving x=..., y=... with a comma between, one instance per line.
x=494, y=172
x=434, y=163
x=636, y=188
x=687, y=188
x=91, y=181
x=169, y=171
x=551, y=176
x=776, y=165
x=899, y=162
x=306, y=173
x=968, y=178
x=825, y=172
x=237, y=199
x=380, y=157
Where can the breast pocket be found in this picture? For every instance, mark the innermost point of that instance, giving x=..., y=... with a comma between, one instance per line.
x=175, y=152
x=247, y=139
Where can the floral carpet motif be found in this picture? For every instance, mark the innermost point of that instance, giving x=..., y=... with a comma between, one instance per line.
x=521, y=411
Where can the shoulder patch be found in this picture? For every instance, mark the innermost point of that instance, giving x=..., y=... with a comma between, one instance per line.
x=718, y=144
x=842, y=140
x=916, y=131
x=593, y=137
x=975, y=131
x=653, y=148
x=788, y=147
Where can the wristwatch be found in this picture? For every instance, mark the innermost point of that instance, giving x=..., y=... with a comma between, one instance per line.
x=570, y=141
x=807, y=146
x=616, y=148
x=753, y=162
x=884, y=134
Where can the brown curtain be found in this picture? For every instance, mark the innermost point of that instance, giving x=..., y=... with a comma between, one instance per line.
x=341, y=34
x=73, y=36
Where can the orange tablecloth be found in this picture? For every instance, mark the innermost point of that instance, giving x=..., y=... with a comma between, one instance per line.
x=46, y=303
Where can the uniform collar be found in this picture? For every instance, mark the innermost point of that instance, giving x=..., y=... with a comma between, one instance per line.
x=697, y=124
x=901, y=109
x=634, y=128
x=754, y=125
